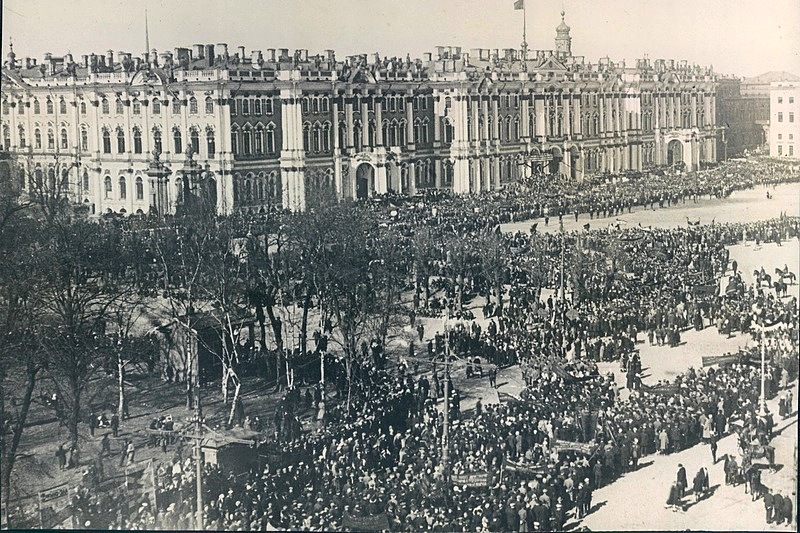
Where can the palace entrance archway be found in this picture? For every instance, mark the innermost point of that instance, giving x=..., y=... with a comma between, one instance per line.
x=365, y=180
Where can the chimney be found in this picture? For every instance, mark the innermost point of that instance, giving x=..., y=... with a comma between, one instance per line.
x=303, y=54
x=28, y=62
x=137, y=63
x=283, y=54
x=210, y=55
x=241, y=52
x=330, y=55
x=197, y=51
x=85, y=59
x=223, y=51
x=68, y=59
x=110, y=59
x=256, y=57
x=271, y=55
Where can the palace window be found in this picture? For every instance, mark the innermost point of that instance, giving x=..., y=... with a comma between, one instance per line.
x=106, y=141
x=49, y=107
x=192, y=105
x=85, y=181
x=6, y=107
x=268, y=110
x=194, y=141
x=157, y=140
x=259, y=139
x=6, y=138
x=104, y=106
x=62, y=106
x=137, y=141
x=791, y=116
x=210, y=144
x=246, y=106
x=304, y=105
x=36, y=107
x=326, y=137
x=209, y=105
x=325, y=104
x=177, y=141
x=123, y=190
x=780, y=117
x=156, y=106
x=119, y=107
x=271, y=148
x=235, y=141
x=107, y=187
x=120, y=141
x=247, y=146
x=780, y=99
x=257, y=107
x=176, y=107
x=84, y=139
x=64, y=139
x=780, y=149
x=137, y=107
x=307, y=137
x=791, y=150
x=21, y=136
x=83, y=108
x=51, y=140
x=139, y=188
x=37, y=139
x=234, y=104
x=791, y=99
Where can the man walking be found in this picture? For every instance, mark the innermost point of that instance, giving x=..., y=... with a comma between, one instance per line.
x=681, y=480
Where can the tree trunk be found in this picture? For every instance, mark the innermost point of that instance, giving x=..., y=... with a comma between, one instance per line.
x=238, y=386
x=278, y=334
x=304, y=323
x=10, y=451
x=225, y=377
x=74, y=415
x=121, y=385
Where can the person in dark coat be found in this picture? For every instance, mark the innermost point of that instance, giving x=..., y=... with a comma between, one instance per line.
x=681, y=480
x=787, y=509
x=697, y=484
x=768, y=506
x=61, y=455
x=777, y=506
x=115, y=425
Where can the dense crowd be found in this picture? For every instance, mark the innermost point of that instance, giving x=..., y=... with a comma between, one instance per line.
x=383, y=456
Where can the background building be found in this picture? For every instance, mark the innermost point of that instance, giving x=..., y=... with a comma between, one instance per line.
x=784, y=118
x=743, y=120
x=281, y=128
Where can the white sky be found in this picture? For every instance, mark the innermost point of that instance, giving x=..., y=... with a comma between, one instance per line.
x=741, y=37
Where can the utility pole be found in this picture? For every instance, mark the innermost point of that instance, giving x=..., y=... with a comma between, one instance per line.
x=198, y=452
x=446, y=422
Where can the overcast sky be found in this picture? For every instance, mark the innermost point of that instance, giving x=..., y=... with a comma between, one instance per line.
x=741, y=37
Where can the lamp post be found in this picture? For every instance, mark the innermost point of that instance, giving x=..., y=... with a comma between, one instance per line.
x=159, y=173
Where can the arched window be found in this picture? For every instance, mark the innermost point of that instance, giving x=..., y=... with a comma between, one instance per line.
x=259, y=139
x=268, y=106
x=85, y=180
x=307, y=136
x=209, y=105
x=118, y=107
x=192, y=105
x=64, y=139
x=157, y=140
x=425, y=130
x=37, y=139
x=235, y=140
x=304, y=105
x=107, y=187
x=49, y=107
x=20, y=107
x=139, y=188
x=247, y=146
x=62, y=106
x=6, y=138
x=326, y=137
x=210, y=144
x=104, y=106
x=83, y=108
x=325, y=104
x=317, y=137
x=106, y=141
x=6, y=107
x=123, y=191
x=176, y=106
x=246, y=106
x=51, y=140
x=21, y=136
x=137, y=107
x=402, y=138
x=120, y=141
x=315, y=105
x=177, y=141
x=137, y=141
x=194, y=140
x=84, y=139
x=36, y=107
x=271, y=147
x=257, y=106
x=156, y=106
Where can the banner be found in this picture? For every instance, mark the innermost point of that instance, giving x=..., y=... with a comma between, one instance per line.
x=55, y=506
x=567, y=446
x=728, y=359
x=378, y=522
x=705, y=290
x=521, y=468
x=666, y=389
x=471, y=480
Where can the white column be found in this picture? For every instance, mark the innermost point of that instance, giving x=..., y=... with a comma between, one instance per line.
x=525, y=123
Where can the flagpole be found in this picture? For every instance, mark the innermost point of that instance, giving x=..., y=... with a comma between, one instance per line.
x=524, y=34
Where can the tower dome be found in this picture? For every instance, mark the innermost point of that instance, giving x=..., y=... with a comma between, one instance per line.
x=563, y=40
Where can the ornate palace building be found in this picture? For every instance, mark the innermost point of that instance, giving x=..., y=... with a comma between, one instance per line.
x=129, y=134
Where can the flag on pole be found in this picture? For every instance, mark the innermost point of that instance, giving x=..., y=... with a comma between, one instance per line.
x=519, y=4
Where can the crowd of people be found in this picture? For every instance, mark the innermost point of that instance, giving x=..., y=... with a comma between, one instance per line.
x=381, y=457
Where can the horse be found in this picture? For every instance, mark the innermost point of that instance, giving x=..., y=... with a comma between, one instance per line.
x=761, y=277
x=784, y=274
x=780, y=289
